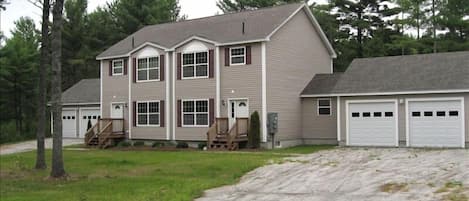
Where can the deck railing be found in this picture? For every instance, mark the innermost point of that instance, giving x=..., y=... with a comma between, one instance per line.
x=103, y=129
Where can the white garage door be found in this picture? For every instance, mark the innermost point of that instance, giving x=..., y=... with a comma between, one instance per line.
x=435, y=123
x=88, y=116
x=69, y=124
x=372, y=123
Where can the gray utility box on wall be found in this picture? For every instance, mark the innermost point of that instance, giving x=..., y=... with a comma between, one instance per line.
x=272, y=122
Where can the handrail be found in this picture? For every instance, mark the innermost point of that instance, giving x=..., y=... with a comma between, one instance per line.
x=90, y=132
x=103, y=138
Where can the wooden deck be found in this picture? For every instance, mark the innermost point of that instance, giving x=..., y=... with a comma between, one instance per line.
x=105, y=133
x=220, y=136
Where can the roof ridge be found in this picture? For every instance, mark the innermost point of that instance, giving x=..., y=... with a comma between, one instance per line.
x=412, y=55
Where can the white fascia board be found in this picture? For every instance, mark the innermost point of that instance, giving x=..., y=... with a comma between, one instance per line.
x=388, y=93
x=134, y=50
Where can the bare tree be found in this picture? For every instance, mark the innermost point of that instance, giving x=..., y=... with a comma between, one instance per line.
x=41, y=111
x=58, y=169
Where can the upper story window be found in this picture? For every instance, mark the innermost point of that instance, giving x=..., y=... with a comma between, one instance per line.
x=148, y=69
x=148, y=113
x=195, y=65
x=195, y=113
x=238, y=55
x=324, y=106
x=117, y=67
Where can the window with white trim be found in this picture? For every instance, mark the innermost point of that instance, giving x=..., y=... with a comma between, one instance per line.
x=195, y=113
x=148, y=69
x=195, y=65
x=238, y=55
x=324, y=107
x=148, y=113
x=118, y=67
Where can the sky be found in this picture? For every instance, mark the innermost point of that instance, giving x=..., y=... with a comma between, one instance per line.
x=17, y=8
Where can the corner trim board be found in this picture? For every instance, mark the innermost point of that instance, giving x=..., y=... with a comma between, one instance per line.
x=264, y=93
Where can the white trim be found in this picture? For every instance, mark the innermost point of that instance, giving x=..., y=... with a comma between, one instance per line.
x=190, y=39
x=195, y=65
x=463, y=114
x=148, y=113
x=130, y=104
x=128, y=54
x=244, y=56
x=90, y=103
x=388, y=93
x=174, y=72
x=147, y=69
x=395, y=115
x=319, y=107
x=113, y=66
x=264, y=93
x=100, y=88
x=315, y=24
x=338, y=116
x=217, y=78
x=243, y=42
x=166, y=75
x=195, y=113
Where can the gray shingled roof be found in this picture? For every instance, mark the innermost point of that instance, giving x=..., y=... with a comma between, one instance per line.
x=85, y=91
x=223, y=29
x=322, y=83
x=425, y=72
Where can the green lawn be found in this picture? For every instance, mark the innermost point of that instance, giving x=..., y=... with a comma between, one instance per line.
x=132, y=175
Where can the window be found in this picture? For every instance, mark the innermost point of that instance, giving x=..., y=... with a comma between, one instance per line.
x=428, y=114
x=453, y=113
x=195, y=65
x=195, y=113
x=118, y=67
x=237, y=55
x=148, y=69
x=377, y=114
x=367, y=114
x=148, y=113
x=440, y=113
x=324, y=107
x=388, y=114
x=416, y=114
x=355, y=114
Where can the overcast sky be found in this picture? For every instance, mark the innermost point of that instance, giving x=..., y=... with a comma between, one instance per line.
x=18, y=8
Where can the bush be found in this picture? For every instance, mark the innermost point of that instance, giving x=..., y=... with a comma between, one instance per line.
x=158, y=144
x=254, y=134
x=123, y=144
x=202, y=145
x=182, y=145
x=139, y=143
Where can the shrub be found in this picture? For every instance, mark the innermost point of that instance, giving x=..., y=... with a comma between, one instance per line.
x=202, y=145
x=183, y=145
x=158, y=144
x=254, y=134
x=139, y=143
x=123, y=144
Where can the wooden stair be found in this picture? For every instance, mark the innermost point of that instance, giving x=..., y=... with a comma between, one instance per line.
x=105, y=133
x=219, y=137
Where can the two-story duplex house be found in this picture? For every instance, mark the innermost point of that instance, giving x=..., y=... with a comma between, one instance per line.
x=171, y=81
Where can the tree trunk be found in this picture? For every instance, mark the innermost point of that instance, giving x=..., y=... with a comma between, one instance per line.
x=434, y=26
x=41, y=112
x=57, y=157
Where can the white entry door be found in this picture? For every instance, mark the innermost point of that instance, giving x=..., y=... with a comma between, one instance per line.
x=117, y=111
x=237, y=109
x=88, y=118
x=372, y=123
x=435, y=123
x=69, y=124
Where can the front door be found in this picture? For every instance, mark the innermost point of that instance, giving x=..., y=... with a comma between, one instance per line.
x=117, y=111
x=238, y=109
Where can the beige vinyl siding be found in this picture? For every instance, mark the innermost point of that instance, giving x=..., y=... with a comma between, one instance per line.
x=294, y=55
x=115, y=89
x=316, y=127
x=148, y=91
x=242, y=81
x=401, y=111
x=203, y=88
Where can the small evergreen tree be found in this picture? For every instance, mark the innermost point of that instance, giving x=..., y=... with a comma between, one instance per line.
x=254, y=136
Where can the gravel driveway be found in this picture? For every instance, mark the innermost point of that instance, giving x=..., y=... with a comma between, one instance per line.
x=32, y=145
x=359, y=174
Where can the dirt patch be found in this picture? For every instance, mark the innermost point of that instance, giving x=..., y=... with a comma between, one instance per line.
x=394, y=187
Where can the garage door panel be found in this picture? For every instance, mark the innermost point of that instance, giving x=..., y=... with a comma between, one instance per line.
x=88, y=115
x=69, y=126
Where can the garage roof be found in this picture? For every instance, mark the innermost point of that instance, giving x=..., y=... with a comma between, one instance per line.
x=86, y=91
x=397, y=74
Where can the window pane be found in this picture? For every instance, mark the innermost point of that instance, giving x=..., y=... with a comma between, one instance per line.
x=142, y=108
x=117, y=70
x=202, y=119
x=237, y=51
x=153, y=62
x=142, y=119
x=154, y=119
x=416, y=114
x=188, y=119
x=187, y=59
x=237, y=60
x=201, y=57
x=142, y=63
x=188, y=71
x=188, y=106
x=355, y=114
x=453, y=113
x=388, y=114
x=153, y=107
x=325, y=111
x=201, y=106
x=201, y=70
x=118, y=64
x=366, y=114
x=142, y=75
x=324, y=103
x=428, y=114
x=154, y=74
x=377, y=114
x=441, y=113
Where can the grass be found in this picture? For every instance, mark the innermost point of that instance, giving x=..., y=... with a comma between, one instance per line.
x=131, y=175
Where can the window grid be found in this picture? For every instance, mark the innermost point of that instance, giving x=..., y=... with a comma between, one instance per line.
x=195, y=65
x=146, y=110
x=149, y=68
x=198, y=109
x=324, y=107
x=238, y=55
x=118, y=67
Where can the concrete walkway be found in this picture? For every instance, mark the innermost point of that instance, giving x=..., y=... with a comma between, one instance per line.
x=355, y=174
x=32, y=145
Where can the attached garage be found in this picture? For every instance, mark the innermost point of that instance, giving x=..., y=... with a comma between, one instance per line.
x=372, y=123
x=69, y=123
x=435, y=122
